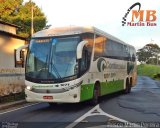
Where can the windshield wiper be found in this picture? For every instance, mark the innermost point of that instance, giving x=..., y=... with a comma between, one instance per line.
x=44, y=68
x=52, y=64
x=55, y=70
x=45, y=64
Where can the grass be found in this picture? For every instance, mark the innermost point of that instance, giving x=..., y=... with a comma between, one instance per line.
x=148, y=70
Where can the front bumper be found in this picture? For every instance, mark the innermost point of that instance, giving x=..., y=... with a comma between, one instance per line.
x=71, y=96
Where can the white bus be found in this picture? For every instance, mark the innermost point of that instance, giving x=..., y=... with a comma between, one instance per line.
x=74, y=64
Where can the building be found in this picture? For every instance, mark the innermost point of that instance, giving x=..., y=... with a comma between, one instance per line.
x=11, y=71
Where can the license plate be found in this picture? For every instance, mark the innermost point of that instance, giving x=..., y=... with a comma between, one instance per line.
x=48, y=97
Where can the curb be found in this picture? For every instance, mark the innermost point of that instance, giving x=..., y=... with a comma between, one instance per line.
x=11, y=104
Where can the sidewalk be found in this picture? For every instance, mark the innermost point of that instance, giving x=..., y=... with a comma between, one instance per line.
x=11, y=104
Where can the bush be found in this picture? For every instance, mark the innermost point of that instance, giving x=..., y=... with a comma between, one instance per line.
x=152, y=71
x=157, y=76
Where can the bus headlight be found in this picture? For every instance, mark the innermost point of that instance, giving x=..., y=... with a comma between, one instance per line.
x=29, y=87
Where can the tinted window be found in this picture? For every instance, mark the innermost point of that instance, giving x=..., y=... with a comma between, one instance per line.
x=87, y=52
x=99, y=46
x=132, y=54
x=116, y=50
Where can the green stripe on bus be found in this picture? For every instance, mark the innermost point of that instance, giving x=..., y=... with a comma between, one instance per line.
x=86, y=91
x=106, y=88
x=111, y=86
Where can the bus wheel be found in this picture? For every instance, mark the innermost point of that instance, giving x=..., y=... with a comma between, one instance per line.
x=94, y=100
x=128, y=87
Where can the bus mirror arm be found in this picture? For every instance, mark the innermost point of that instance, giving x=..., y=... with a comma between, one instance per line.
x=18, y=50
x=80, y=48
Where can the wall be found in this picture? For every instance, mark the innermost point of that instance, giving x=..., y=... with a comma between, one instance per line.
x=8, y=28
x=11, y=78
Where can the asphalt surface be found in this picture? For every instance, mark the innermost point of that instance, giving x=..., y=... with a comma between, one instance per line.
x=139, y=108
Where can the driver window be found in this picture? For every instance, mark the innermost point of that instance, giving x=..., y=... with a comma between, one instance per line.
x=87, y=52
x=84, y=60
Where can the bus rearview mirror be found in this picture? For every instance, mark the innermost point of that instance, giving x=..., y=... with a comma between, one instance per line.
x=80, y=48
x=18, y=50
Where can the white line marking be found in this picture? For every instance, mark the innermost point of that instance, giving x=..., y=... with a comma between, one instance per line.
x=18, y=109
x=99, y=112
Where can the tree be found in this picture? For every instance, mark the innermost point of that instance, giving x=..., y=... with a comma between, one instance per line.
x=9, y=8
x=148, y=54
x=20, y=14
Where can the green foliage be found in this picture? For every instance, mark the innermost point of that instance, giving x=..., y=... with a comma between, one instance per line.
x=148, y=70
x=9, y=7
x=148, y=54
x=13, y=11
x=153, y=61
x=157, y=76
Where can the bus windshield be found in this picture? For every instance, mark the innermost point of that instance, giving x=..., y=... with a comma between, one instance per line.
x=52, y=58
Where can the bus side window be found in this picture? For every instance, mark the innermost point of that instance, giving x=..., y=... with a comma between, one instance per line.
x=126, y=52
x=99, y=47
x=108, y=49
x=133, y=56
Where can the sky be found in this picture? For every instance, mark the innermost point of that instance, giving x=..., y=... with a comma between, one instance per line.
x=105, y=15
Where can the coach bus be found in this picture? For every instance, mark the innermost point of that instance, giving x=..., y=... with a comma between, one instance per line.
x=74, y=64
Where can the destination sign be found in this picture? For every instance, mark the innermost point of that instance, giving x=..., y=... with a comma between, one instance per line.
x=42, y=40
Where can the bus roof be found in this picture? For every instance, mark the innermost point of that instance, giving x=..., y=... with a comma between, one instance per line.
x=71, y=30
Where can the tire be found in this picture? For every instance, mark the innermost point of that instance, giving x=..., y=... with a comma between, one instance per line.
x=94, y=101
x=128, y=87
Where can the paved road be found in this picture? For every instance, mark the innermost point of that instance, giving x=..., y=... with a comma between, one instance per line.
x=141, y=105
